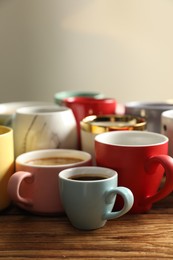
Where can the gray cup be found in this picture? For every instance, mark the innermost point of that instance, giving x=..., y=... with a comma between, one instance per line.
x=150, y=110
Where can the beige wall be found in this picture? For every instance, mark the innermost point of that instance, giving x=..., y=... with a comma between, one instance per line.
x=123, y=48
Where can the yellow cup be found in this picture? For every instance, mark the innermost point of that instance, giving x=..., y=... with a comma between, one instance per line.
x=6, y=163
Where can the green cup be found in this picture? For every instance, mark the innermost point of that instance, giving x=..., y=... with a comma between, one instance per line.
x=60, y=96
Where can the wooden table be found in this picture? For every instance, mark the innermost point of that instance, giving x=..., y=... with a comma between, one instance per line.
x=143, y=236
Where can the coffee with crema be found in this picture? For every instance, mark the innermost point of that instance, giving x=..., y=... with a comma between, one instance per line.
x=54, y=161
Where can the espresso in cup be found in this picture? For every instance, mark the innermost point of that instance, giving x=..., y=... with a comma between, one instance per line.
x=88, y=177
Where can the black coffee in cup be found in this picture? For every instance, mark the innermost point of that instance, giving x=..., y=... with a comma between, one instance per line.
x=88, y=177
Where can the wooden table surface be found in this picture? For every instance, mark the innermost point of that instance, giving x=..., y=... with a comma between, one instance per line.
x=143, y=236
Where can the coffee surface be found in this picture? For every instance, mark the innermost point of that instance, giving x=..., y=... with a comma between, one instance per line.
x=54, y=161
x=88, y=177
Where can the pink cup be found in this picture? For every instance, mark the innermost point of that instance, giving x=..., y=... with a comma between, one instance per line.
x=84, y=106
x=34, y=185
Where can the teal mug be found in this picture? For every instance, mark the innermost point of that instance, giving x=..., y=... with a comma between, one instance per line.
x=88, y=194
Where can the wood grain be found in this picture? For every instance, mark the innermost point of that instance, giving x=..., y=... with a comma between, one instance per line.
x=140, y=236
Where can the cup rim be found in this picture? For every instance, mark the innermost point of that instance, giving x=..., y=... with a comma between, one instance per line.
x=5, y=130
x=64, y=174
x=167, y=114
x=23, y=158
x=89, y=123
x=42, y=110
x=13, y=106
x=63, y=94
x=137, y=134
x=89, y=100
x=148, y=105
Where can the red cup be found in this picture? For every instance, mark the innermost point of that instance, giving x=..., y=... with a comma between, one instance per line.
x=141, y=159
x=84, y=106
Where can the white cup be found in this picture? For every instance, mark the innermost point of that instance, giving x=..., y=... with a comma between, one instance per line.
x=8, y=110
x=167, y=128
x=44, y=127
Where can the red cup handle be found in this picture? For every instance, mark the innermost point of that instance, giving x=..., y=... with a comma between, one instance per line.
x=167, y=163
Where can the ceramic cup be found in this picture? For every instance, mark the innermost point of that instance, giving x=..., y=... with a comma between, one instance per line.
x=34, y=185
x=8, y=110
x=151, y=110
x=167, y=128
x=44, y=127
x=141, y=159
x=83, y=107
x=93, y=125
x=6, y=164
x=88, y=195
x=60, y=96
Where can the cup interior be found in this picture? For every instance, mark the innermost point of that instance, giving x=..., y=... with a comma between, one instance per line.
x=60, y=96
x=105, y=123
x=149, y=105
x=88, y=171
x=10, y=108
x=168, y=114
x=4, y=130
x=25, y=158
x=41, y=109
x=131, y=138
x=89, y=100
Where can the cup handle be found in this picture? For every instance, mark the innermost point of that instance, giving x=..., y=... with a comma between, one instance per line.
x=167, y=163
x=14, y=184
x=128, y=198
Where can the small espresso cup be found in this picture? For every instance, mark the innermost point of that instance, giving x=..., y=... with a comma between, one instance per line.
x=88, y=195
x=6, y=164
x=167, y=128
x=44, y=127
x=60, y=96
x=34, y=185
x=93, y=125
x=141, y=159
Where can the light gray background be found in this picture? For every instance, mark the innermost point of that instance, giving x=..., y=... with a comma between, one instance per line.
x=123, y=48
